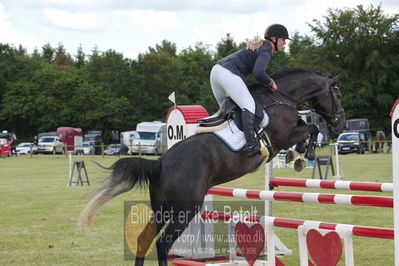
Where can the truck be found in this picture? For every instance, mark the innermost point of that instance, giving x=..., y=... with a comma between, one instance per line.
x=72, y=137
x=126, y=139
x=94, y=138
x=152, y=138
x=361, y=126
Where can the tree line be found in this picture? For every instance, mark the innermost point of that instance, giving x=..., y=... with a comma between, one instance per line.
x=106, y=91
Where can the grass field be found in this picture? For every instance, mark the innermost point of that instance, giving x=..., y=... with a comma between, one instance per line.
x=39, y=212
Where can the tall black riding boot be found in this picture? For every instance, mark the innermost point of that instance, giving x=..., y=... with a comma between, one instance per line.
x=252, y=146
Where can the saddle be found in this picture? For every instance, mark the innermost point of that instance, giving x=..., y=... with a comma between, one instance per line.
x=230, y=111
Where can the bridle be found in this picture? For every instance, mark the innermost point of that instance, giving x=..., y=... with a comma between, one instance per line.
x=334, y=116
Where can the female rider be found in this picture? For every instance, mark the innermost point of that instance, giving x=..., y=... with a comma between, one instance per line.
x=228, y=77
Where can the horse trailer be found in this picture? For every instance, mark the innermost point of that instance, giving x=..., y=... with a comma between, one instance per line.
x=152, y=138
x=72, y=137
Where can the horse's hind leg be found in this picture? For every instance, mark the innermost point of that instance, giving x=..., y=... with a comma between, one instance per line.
x=150, y=232
x=144, y=241
x=180, y=215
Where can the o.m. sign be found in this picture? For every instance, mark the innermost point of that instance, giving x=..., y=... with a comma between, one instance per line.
x=181, y=122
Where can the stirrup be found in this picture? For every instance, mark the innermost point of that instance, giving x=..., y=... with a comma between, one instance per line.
x=263, y=149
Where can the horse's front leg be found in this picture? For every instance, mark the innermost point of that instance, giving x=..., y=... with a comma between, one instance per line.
x=310, y=151
x=301, y=145
x=301, y=133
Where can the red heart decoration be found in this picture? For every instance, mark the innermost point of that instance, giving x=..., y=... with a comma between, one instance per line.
x=325, y=250
x=250, y=240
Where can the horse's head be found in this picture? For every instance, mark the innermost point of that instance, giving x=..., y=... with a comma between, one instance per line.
x=327, y=103
x=298, y=85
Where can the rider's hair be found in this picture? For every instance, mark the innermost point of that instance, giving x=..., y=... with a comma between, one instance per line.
x=255, y=44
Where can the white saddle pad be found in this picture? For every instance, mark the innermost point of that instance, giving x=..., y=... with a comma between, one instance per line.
x=233, y=137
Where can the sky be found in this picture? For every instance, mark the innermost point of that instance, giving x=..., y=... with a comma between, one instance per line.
x=132, y=26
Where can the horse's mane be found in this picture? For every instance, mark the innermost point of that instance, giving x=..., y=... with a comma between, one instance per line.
x=282, y=72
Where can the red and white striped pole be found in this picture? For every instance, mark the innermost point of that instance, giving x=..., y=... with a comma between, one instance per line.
x=340, y=199
x=332, y=184
x=395, y=169
x=365, y=231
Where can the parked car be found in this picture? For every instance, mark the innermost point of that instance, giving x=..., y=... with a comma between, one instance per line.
x=351, y=142
x=115, y=149
x=25, y=148
x=6, y=139
x=50, y=144
x=87, y=147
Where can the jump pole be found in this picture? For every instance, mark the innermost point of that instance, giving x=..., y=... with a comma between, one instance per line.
x=332, y=184
x=395, y=169
x=340, y=199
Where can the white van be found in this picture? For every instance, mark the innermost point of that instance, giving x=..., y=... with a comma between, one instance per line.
x=152, y=138
x=50, y=144
x=127, y=138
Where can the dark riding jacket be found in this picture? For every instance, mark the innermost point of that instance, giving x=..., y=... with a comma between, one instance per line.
x=246, y=61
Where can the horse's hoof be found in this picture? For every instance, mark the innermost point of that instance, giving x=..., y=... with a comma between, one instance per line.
x=139, y=262
x=162, y=262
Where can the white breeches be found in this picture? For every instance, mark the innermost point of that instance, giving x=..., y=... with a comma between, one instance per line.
x=226, y=84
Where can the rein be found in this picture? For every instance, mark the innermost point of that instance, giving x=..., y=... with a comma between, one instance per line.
x=282, y=101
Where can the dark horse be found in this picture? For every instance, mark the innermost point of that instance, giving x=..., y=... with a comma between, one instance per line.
x=180, y=178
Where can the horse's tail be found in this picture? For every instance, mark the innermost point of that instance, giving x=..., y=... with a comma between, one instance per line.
x=126, y=173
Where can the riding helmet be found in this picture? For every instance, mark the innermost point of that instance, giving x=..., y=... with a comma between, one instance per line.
x=276, y=30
